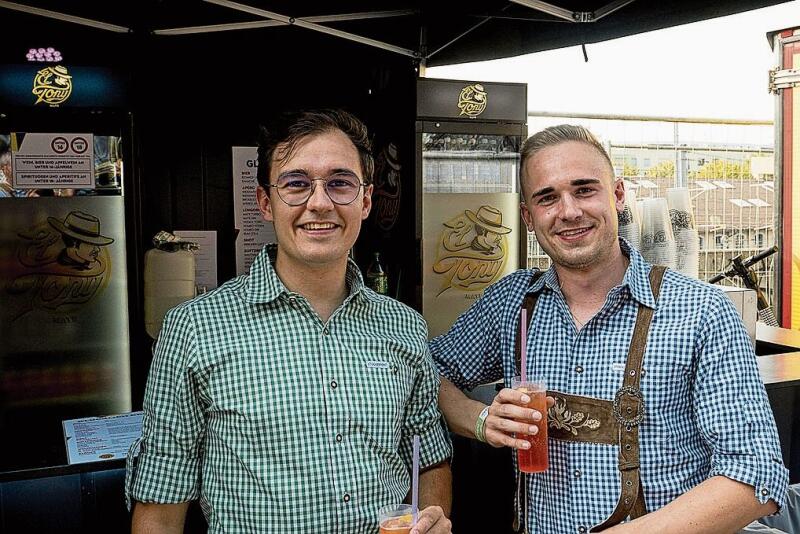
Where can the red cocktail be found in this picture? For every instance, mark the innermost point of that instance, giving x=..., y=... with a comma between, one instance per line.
x=534, y=459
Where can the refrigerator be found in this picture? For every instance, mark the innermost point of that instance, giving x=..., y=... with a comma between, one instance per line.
x=65, y=219
x=468, y=137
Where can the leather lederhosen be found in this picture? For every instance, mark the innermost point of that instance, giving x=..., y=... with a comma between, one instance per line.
x=602, y=421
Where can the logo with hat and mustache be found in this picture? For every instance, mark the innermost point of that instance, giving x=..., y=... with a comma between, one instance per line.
x=81, y=235
x=52, y=85
x=472, y=100
x=472, y=250
x=64, y=264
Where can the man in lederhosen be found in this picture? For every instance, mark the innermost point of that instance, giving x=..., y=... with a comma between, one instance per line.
x=682, y=438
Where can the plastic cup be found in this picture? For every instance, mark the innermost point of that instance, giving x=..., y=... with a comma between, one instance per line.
x=395, y=519
x=533, y=459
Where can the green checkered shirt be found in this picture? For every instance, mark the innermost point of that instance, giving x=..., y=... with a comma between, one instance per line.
x=280, y=422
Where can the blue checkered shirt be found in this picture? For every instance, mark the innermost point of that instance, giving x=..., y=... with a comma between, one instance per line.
x=279, y=422
x=707, y=412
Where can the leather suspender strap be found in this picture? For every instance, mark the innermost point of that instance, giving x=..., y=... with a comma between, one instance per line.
x=629, y=412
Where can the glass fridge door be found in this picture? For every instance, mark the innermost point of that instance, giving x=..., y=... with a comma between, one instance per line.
x=470, y=219
x=64, y=350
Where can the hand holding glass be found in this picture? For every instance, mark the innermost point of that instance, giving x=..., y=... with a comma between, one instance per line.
x=533, y=459
x=395, y=519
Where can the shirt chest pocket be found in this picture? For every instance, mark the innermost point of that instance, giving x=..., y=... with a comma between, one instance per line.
x=379, y=400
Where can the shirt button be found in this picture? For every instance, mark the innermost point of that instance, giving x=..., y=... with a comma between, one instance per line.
x=325, y=331
x=578, y=369
x=346, y=497
x=339, y=438
x=334, y=385
x=764, y=492
x=577, y=473
x=582, y=529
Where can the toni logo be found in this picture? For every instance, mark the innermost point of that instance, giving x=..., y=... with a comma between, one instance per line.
x=63, y=264
x=472, y=100
x=52, y=85
x=388, y=188
x=472, y=251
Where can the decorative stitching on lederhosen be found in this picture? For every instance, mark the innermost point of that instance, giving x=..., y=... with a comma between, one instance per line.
x=592, y=420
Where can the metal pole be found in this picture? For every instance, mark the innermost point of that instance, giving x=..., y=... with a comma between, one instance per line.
x=321, y=19
x=651, y=118
x=778, y=176
x=64, y=17
x=550, y=9
x=302, y=23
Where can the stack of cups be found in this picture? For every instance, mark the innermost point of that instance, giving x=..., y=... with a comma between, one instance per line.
x=658, y=242
x=687, y=239
x=629, y=220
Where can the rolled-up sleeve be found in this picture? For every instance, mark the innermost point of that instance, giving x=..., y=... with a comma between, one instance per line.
x=422, y=415
x=469, y=354
x=163, y=465
x=731, y=406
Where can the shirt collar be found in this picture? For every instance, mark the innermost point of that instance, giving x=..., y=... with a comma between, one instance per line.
x=263, y=284
x=636, y=279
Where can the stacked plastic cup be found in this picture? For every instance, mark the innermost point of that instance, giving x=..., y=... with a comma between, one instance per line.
x=629, y=219
x=658, y=242
x=687, y=238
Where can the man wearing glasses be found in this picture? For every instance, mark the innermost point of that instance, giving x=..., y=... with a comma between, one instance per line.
x=287, y=400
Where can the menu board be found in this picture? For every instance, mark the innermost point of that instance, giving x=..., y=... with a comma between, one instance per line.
x=253, y=232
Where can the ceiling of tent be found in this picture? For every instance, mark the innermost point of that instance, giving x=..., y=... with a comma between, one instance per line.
x=437, y=31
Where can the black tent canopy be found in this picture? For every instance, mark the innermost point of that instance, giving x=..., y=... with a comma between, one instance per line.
x=434, y=32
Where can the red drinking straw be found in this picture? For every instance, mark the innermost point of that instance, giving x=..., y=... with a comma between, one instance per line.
x=523, y=343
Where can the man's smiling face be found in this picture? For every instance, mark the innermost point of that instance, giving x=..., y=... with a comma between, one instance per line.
x=318, y=232
x=571, y=203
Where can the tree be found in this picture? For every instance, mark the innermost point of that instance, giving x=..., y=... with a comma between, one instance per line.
x=629, y=170
x=663, y=169
x=718, y=169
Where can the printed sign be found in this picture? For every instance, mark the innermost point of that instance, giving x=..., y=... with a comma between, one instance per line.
x=94, y=439
x=253, y=231
x=52, y=161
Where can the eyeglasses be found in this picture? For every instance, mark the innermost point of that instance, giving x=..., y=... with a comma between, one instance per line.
x=296, y=188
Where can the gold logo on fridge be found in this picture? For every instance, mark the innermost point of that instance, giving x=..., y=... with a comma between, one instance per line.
x=472, y=100
x=52, y=85
x=472, y=250
x=63, y=263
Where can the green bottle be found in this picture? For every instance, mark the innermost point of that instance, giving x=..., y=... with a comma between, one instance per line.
x=377, y=279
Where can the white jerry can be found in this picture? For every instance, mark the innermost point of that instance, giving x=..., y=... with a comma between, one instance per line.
x=169, y=279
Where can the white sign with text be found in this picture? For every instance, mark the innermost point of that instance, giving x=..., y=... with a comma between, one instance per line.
x=52, y=161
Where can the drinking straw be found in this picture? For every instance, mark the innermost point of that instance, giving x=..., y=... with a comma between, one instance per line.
x=415, y=482
x=523, y=343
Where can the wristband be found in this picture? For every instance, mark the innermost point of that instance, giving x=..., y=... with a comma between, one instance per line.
x=480, y=425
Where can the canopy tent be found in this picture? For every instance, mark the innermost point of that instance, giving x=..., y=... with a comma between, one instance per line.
x=434, y=33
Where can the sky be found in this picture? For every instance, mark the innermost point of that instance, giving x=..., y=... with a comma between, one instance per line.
x=711, y=69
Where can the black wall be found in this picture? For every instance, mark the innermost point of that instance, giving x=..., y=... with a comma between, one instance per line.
x=191, y=98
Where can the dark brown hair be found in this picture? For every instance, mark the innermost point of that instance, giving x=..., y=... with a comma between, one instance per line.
x=288, y=129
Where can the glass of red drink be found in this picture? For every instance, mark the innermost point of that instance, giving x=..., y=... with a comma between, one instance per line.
x=395, y=519
x=533, y=459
